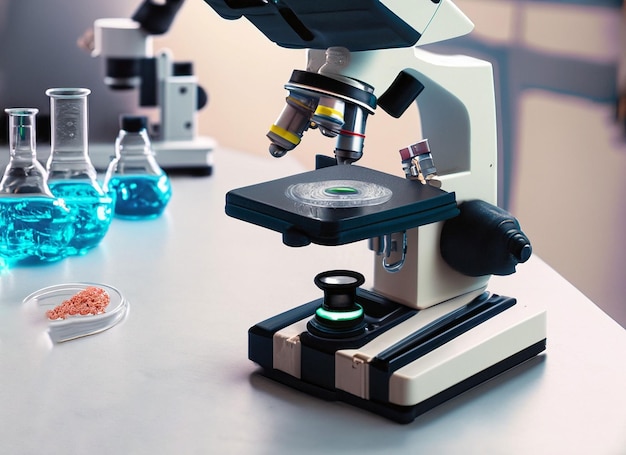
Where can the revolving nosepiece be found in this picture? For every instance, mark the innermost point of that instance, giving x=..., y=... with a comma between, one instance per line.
x=336, y=105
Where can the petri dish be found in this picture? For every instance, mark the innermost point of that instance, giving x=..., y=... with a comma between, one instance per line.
x=339, y=193
x=76, y=326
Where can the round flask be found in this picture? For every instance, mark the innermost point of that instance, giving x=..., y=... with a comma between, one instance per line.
x=141, y=188
x=71, y=175
x=35, y=226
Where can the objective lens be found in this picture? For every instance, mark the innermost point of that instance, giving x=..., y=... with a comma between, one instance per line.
x=329, y=116
x=293, y=121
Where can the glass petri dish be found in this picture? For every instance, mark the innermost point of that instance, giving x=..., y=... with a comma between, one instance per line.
x=339, y=193
x=76, y=326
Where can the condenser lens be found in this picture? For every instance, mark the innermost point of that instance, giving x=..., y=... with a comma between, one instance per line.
x=340, y=316
x=338, y=279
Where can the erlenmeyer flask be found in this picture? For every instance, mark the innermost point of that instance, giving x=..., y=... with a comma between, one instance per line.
x=71, y=174
x=35, y=225
x=142, y=189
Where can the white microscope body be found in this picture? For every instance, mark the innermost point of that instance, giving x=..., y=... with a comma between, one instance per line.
x=458, y=116
x=446, y=344
x=458, y=99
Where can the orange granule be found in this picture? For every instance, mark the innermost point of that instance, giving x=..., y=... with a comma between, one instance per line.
x=92, y=300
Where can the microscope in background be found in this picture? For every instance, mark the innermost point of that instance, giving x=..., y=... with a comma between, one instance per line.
x=427, y=330
x=126, y=46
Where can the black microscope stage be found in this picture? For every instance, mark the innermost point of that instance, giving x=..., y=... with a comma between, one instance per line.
x=409, y=204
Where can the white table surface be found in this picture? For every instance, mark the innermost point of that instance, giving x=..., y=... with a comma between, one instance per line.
x=174, y=378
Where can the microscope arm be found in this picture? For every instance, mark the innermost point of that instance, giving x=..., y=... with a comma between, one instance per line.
x=458, y=96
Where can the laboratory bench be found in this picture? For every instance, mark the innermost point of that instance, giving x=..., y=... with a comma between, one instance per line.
x=173, y=375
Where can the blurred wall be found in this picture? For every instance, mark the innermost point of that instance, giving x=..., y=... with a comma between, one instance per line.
x=565, y=152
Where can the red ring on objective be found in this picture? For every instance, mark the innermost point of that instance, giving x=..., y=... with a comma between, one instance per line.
x=350, y=133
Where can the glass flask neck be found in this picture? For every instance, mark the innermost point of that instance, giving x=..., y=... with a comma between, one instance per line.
x=69, y=139
x=22, y=134
x=133, y=143
x=134, y=154
x=23, y=174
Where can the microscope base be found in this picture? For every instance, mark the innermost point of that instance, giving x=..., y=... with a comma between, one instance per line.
x=410, y=361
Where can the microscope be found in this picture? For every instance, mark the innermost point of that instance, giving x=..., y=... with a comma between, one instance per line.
x=428, y=329
x=126, y=47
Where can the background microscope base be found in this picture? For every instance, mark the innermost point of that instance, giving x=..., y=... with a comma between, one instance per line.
x=396, y=374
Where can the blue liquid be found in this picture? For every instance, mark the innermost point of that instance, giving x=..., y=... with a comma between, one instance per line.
x=33, y=230
x=140, y=196
x=92, y=211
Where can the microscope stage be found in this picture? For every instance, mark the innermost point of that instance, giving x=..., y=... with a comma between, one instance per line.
x=356, y=203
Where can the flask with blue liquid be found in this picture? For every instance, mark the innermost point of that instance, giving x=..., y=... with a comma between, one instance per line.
x=71, y=175
x=35, y=226
x=141, y=188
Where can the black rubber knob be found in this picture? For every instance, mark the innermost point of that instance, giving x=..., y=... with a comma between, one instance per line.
x=483, y=240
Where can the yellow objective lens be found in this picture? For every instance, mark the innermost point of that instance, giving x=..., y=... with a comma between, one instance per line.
x=329, y=112
x=292, y=100
x=286, y=135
